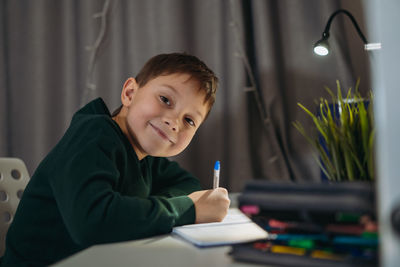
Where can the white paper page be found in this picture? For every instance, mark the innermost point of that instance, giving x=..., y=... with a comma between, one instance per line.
x=235, y=228
x=234, y=216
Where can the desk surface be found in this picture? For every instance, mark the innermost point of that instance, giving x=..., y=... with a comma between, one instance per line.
x=166, y=250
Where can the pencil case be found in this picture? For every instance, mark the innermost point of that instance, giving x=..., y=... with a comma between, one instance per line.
x=311, y=224
x=247, y=253
x=343, y=196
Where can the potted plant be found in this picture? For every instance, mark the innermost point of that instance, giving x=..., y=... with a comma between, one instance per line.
x=345, y=138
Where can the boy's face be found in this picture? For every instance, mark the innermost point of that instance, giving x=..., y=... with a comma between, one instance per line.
x=161, y=118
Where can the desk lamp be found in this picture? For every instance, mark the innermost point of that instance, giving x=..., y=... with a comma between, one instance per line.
x=321, y=47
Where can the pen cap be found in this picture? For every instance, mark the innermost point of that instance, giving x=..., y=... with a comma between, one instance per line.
x=216, y=166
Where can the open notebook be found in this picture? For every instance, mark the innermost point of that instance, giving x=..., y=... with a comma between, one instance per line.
x=235, y=228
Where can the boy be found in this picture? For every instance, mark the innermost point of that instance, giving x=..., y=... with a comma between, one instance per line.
x=108, y=180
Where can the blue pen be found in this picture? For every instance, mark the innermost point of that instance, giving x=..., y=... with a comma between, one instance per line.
x=355, y=241
x=216, y=174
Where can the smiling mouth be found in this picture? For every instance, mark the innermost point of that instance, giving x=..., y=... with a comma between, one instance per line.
x=161, y=133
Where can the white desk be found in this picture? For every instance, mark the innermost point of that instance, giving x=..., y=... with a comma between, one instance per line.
x=166, y=250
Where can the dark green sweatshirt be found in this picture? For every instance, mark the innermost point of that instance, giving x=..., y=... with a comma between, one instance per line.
x=91, y=189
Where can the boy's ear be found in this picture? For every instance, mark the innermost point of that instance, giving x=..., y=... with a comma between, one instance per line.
x=129, y=91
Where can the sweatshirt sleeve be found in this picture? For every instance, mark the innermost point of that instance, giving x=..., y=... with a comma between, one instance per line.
x=170, y=180
x=93, y=212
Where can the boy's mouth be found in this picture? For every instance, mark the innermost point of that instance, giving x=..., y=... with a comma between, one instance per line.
x=161, y=133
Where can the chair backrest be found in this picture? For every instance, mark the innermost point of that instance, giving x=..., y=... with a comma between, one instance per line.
x=13, y=180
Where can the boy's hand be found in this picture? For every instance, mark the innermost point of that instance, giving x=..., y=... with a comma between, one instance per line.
x=211, y=205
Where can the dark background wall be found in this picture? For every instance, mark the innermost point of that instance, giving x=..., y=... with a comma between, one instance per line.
x=48, y=69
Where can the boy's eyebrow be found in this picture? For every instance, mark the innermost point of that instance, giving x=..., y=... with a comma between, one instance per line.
x=176, y=92
x=171, y=87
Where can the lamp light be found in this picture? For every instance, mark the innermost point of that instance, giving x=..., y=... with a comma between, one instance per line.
x=321, y=47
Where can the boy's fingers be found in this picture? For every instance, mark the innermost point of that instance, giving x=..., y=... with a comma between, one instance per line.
x=221, y=189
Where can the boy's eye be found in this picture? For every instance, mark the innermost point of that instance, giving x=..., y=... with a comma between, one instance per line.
x=165, y=100
x=190, y=121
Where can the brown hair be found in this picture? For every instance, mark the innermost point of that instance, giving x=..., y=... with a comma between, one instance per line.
x=165, y=64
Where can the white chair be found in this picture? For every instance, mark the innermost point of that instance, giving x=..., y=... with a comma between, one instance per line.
x=13, y=180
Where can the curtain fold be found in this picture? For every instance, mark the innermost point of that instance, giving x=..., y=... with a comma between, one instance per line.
x=5, y=114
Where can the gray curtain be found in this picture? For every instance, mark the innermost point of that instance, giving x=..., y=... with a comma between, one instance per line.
x=56, y=56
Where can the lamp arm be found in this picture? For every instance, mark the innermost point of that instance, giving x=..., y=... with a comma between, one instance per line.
x=328, y=24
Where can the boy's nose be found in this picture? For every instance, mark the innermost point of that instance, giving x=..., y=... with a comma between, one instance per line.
x=173, y=126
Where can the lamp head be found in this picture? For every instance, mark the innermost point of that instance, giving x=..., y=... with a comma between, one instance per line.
x=321, y=47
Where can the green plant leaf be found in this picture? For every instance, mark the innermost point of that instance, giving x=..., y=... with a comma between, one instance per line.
x=348, y=134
